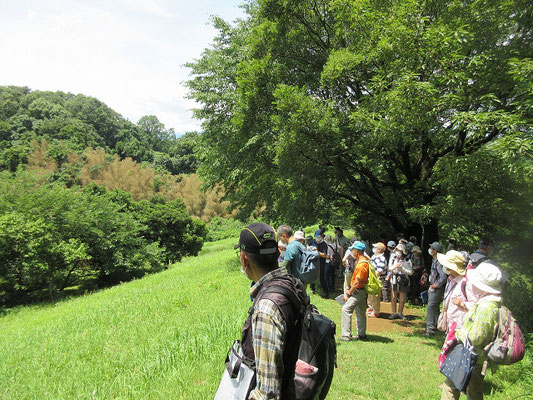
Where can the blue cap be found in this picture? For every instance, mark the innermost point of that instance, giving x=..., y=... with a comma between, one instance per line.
x=318, y=233
x=358, y=246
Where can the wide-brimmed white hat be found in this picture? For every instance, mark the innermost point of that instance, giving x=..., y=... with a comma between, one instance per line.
x=299, y=235
x=401, y=247
x=453, y=260
x=486, y=277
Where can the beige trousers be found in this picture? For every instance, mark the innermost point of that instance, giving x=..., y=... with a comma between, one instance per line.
x=374, y=302
x=474, y=390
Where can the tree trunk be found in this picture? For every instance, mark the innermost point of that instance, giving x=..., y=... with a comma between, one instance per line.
x=417, y=230
x=430, y=235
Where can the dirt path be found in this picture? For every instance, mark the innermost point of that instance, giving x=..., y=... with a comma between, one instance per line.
x=414, y=322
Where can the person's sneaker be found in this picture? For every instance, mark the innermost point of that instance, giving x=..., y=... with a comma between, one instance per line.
x=362, y=337
x=369, y=311
x=393, y=316
x=401, y=316
x=373, y=315
x=345, y=338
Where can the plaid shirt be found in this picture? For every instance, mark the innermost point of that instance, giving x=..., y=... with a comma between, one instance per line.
x=268, y=332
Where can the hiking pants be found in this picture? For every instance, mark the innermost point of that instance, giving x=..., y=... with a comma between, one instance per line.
x=373, y=301
x=385, y=290
x=433, y=309
x=414, y=287
x=330, y=277
x=323, y=283
x=474, y=390
x=357, y=302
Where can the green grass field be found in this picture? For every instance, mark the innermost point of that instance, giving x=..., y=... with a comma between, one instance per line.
x=166, y=336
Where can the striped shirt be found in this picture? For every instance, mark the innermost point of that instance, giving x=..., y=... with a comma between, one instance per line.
x=379, y=263
x=268, y=331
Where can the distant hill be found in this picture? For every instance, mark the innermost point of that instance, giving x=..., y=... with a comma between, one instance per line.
x=78, y=122
x=79, y=140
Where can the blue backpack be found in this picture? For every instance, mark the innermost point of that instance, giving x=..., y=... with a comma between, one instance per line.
x=309, y=270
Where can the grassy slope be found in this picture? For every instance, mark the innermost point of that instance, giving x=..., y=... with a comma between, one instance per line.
x=165, y=336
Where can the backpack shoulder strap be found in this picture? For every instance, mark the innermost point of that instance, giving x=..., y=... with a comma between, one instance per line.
x=290, y=295
x=463, y=289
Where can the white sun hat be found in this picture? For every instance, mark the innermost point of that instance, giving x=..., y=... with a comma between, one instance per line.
x=486, y=277
x=299, y=235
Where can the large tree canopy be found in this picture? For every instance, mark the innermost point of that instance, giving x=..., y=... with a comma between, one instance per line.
x=392, y=111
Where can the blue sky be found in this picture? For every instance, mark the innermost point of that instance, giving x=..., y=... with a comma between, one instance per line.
x=127, y=53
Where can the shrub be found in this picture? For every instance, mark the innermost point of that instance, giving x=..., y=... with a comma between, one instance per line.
x=222, y=228
x=169, y=224
x=52, y=237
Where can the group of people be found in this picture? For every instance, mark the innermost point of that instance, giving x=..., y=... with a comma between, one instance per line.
x=469, y=285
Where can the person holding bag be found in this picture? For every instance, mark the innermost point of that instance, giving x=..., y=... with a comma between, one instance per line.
x=478, y=327
x=454, y=265
x=269, y=341
x=399, y=273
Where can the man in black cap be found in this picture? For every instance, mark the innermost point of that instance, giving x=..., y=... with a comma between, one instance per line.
x=268, y=335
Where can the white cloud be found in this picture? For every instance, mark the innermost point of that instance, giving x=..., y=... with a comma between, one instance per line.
x=129, y=54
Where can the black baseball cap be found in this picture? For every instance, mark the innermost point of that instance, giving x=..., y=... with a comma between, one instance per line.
x=258, y=238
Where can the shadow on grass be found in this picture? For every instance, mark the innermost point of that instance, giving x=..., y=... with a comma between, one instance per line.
x=435, y=340
x=369, y=338
x=379, y=339
x=410, y=321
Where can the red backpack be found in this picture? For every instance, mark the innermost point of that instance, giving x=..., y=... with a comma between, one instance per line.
x=507, y=346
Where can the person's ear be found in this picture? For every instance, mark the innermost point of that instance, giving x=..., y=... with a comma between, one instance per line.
x=244, y=259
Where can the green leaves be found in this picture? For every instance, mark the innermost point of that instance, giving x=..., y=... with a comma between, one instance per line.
x=361, y=108
x=53, y=238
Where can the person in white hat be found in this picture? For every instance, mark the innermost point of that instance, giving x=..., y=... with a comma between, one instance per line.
x=293, y=253
x=478, y=325
x=399, y=274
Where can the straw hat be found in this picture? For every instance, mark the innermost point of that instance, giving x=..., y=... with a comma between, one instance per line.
x=379, y=245
x=453, y=260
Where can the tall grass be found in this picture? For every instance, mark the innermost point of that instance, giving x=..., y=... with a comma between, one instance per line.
x=166, y=336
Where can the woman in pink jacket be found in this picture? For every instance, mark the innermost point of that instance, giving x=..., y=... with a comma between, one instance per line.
x=454, y=265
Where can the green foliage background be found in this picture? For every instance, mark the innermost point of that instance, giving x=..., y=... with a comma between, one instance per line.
x=396, y=116
x=54, y=239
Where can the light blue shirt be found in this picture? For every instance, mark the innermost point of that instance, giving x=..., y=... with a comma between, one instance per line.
x=293, y=256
